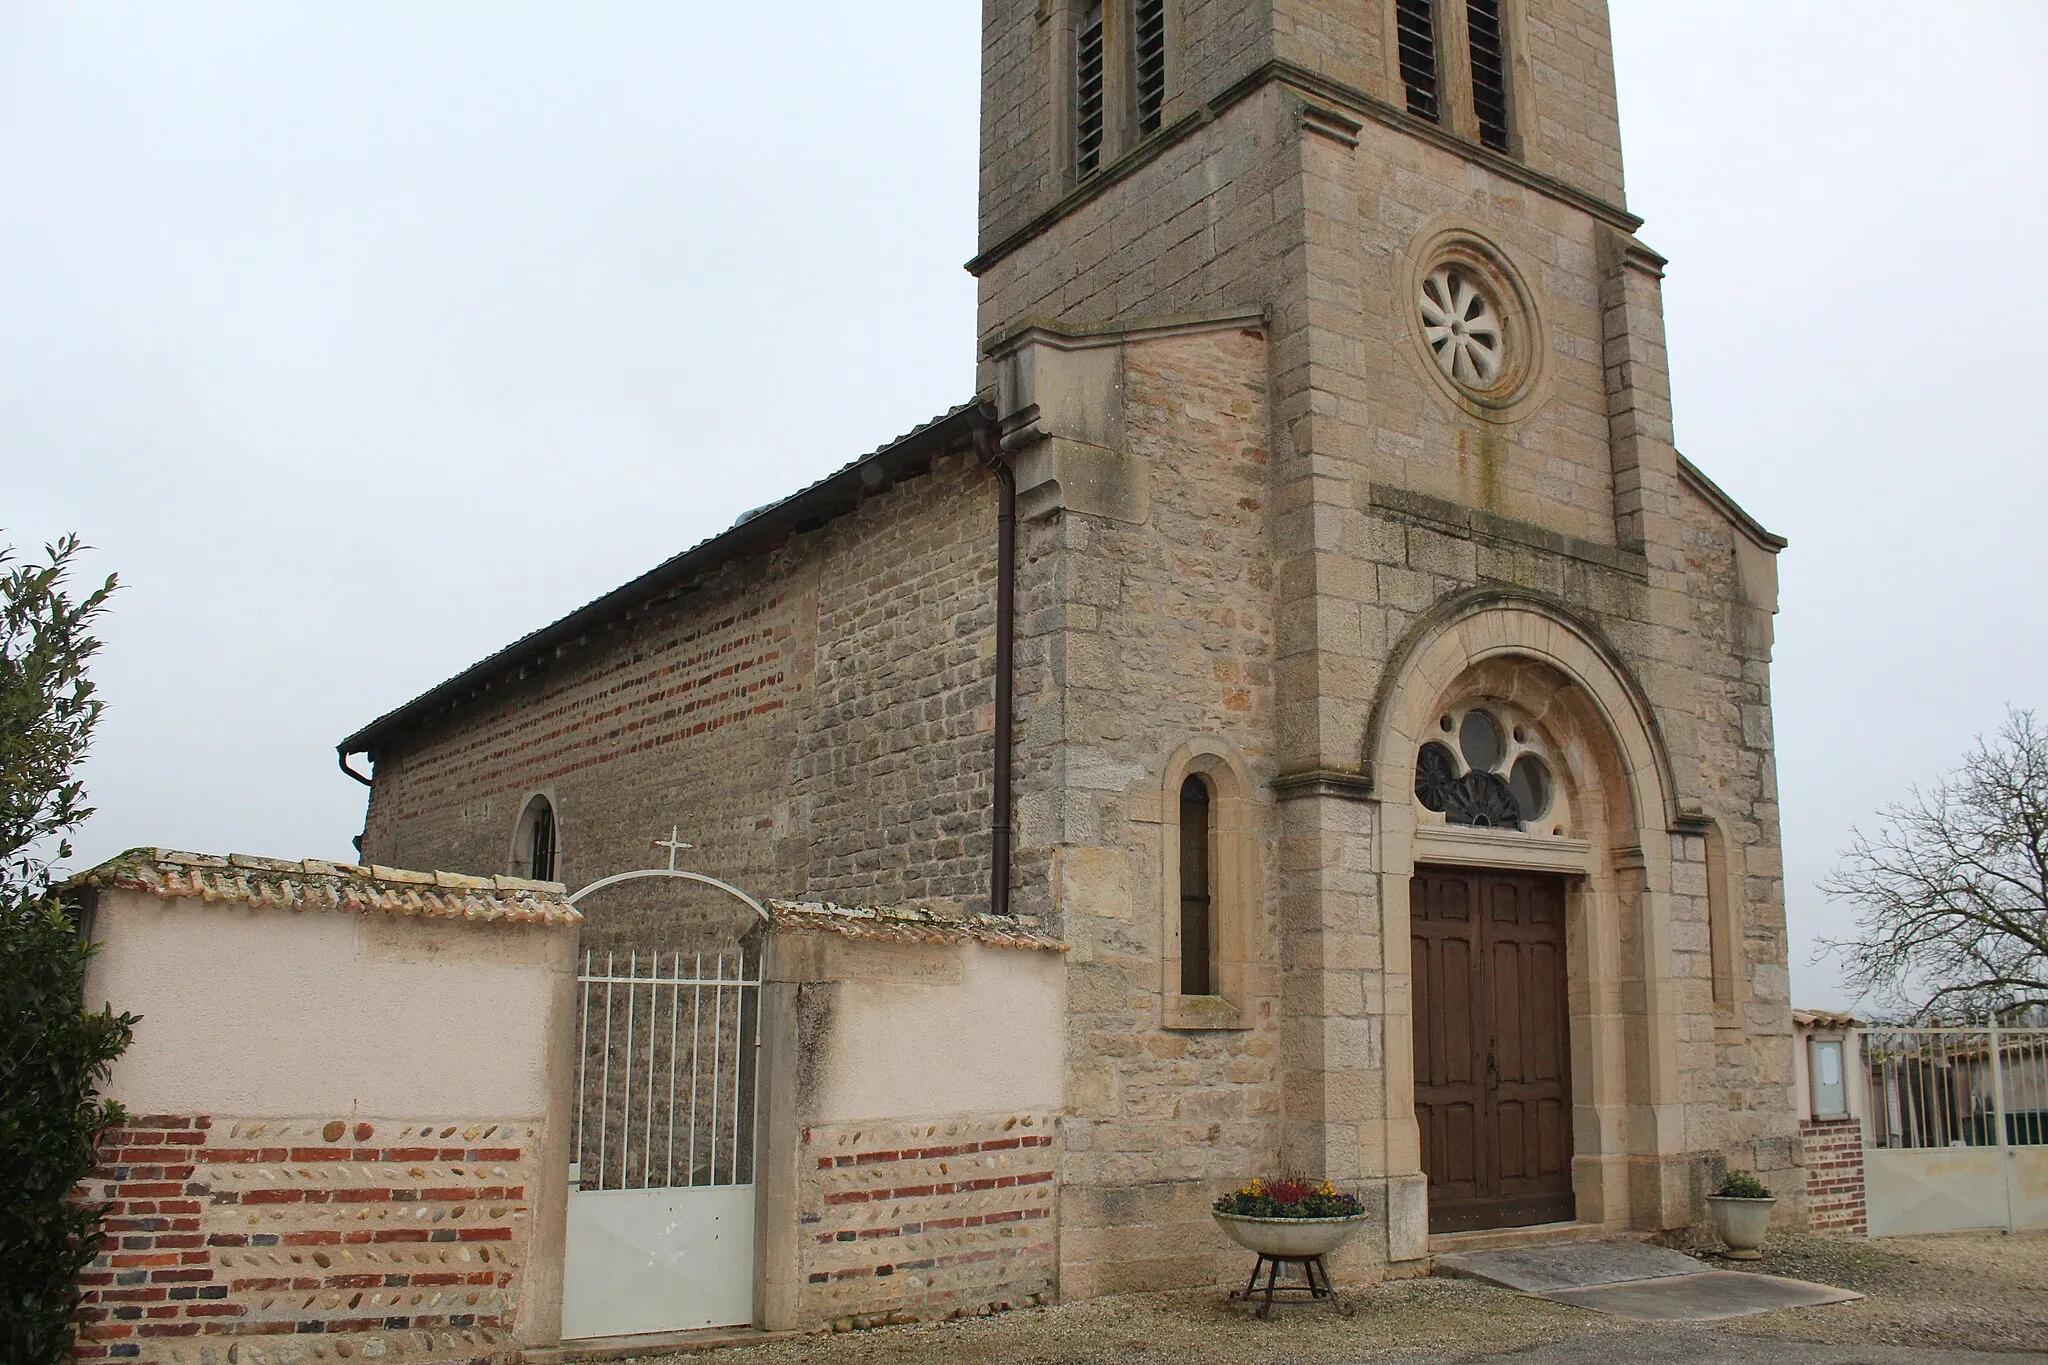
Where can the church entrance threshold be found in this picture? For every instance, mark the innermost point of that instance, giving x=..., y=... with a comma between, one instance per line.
x=1492, y=1047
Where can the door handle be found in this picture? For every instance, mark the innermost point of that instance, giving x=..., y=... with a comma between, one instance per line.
x=1492, y=1071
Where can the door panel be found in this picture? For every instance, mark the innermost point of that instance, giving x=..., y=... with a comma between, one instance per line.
x=1492, y=1047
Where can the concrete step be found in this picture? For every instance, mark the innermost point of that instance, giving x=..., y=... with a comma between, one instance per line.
x=649, y=1344
x=1561, y=1266
x=1502, y=1239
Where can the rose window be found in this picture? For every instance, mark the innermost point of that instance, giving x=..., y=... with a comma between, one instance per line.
x=1483, y=773
x=1462, y=327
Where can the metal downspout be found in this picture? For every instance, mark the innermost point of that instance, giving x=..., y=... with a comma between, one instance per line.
x=990, y=451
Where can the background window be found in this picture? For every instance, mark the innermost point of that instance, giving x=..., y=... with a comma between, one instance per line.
x=1830, y=1085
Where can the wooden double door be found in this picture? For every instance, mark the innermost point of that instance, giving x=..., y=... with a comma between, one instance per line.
x=1492, y=1047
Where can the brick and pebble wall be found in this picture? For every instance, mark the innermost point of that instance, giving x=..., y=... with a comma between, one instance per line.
x=1834, y=1176
x=235, y=1241
x=946, y=1219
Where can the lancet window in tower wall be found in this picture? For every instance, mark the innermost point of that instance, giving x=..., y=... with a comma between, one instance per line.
x=1416, y=20
x=1088, y=123
x=1197, y=943
x=1489, y=71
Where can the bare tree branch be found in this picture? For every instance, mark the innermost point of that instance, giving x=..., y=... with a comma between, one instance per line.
x=1951, y=893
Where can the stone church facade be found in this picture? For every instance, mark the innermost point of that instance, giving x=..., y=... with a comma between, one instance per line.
x=1309, y=623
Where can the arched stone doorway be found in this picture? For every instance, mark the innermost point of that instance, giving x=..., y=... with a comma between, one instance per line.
x=1600, y=852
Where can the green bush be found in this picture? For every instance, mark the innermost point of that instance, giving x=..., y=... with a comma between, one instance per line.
x=1742, y=1185
x=54, y=1053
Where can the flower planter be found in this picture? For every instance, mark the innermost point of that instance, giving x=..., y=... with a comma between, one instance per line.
x=1741, y=1224
x=1288, y=1238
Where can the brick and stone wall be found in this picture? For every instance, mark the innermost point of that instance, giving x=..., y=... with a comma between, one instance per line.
x=911, y=1168
x=280, y=1241
x=342, y=1087
x=945, y=1218
x=1834, y=1176
x=817, y=720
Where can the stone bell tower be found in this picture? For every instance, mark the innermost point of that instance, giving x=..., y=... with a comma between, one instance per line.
x=1404, y=219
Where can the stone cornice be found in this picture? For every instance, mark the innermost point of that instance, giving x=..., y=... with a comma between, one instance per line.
x=1473, y=522
x=1309, y=84
x=1068, y=338
x=1335, y=783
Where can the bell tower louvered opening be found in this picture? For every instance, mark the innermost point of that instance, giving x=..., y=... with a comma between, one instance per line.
x=1088, y=125
x=1489, y=72
x=1416, y=21
x=1148, y=62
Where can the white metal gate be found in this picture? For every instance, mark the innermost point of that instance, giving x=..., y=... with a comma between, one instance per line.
x=1955, y=1129
x=661, y=1217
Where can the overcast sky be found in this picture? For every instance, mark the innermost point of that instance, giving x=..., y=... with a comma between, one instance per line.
x=363, y=338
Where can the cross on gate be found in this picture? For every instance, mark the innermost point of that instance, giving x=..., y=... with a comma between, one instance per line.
x=674, y=844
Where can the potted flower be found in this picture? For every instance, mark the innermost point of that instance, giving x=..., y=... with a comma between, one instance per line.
x=1289, y=1218
x=1742, y=1210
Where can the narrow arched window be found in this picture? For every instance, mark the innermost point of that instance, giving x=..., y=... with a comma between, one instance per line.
x=1197, y=901
x=535, y=842
x=1724, y=939
x=541, y=857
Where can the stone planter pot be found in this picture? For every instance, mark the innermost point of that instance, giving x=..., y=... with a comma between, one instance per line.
x=1741, y=1224
x=1288, y=1237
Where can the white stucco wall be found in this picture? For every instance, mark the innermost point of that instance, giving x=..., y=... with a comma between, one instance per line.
x=987, y=1037
x=300, y=1012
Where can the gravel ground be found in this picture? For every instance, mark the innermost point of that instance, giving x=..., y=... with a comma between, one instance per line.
x=1971, y=1291
x=1978, y=1292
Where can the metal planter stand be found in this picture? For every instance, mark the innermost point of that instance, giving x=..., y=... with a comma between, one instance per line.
x=1316, y=1284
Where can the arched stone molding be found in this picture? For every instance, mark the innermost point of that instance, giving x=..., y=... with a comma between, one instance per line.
x=1531, y=655
x=1470, y=626
x=1234, y=884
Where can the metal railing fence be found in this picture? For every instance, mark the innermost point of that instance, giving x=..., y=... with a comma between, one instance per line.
x=1955, y=1087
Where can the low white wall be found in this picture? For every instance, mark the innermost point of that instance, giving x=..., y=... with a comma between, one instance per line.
x=261, y=1011
x=922, y=1032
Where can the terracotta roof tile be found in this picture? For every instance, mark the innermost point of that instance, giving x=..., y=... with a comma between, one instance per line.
x=316, y=884
x=912, y=924
x=1827, y=1019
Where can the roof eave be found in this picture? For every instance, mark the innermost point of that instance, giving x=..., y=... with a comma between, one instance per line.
x=805, y=510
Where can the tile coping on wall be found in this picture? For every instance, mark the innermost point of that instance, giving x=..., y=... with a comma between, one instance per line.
x=312, y=883
x=913, y=924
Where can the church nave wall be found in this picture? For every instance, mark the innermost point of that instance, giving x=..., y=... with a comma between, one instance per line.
x=816, y=721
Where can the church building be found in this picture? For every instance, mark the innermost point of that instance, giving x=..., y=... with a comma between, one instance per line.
x=1300, y=714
